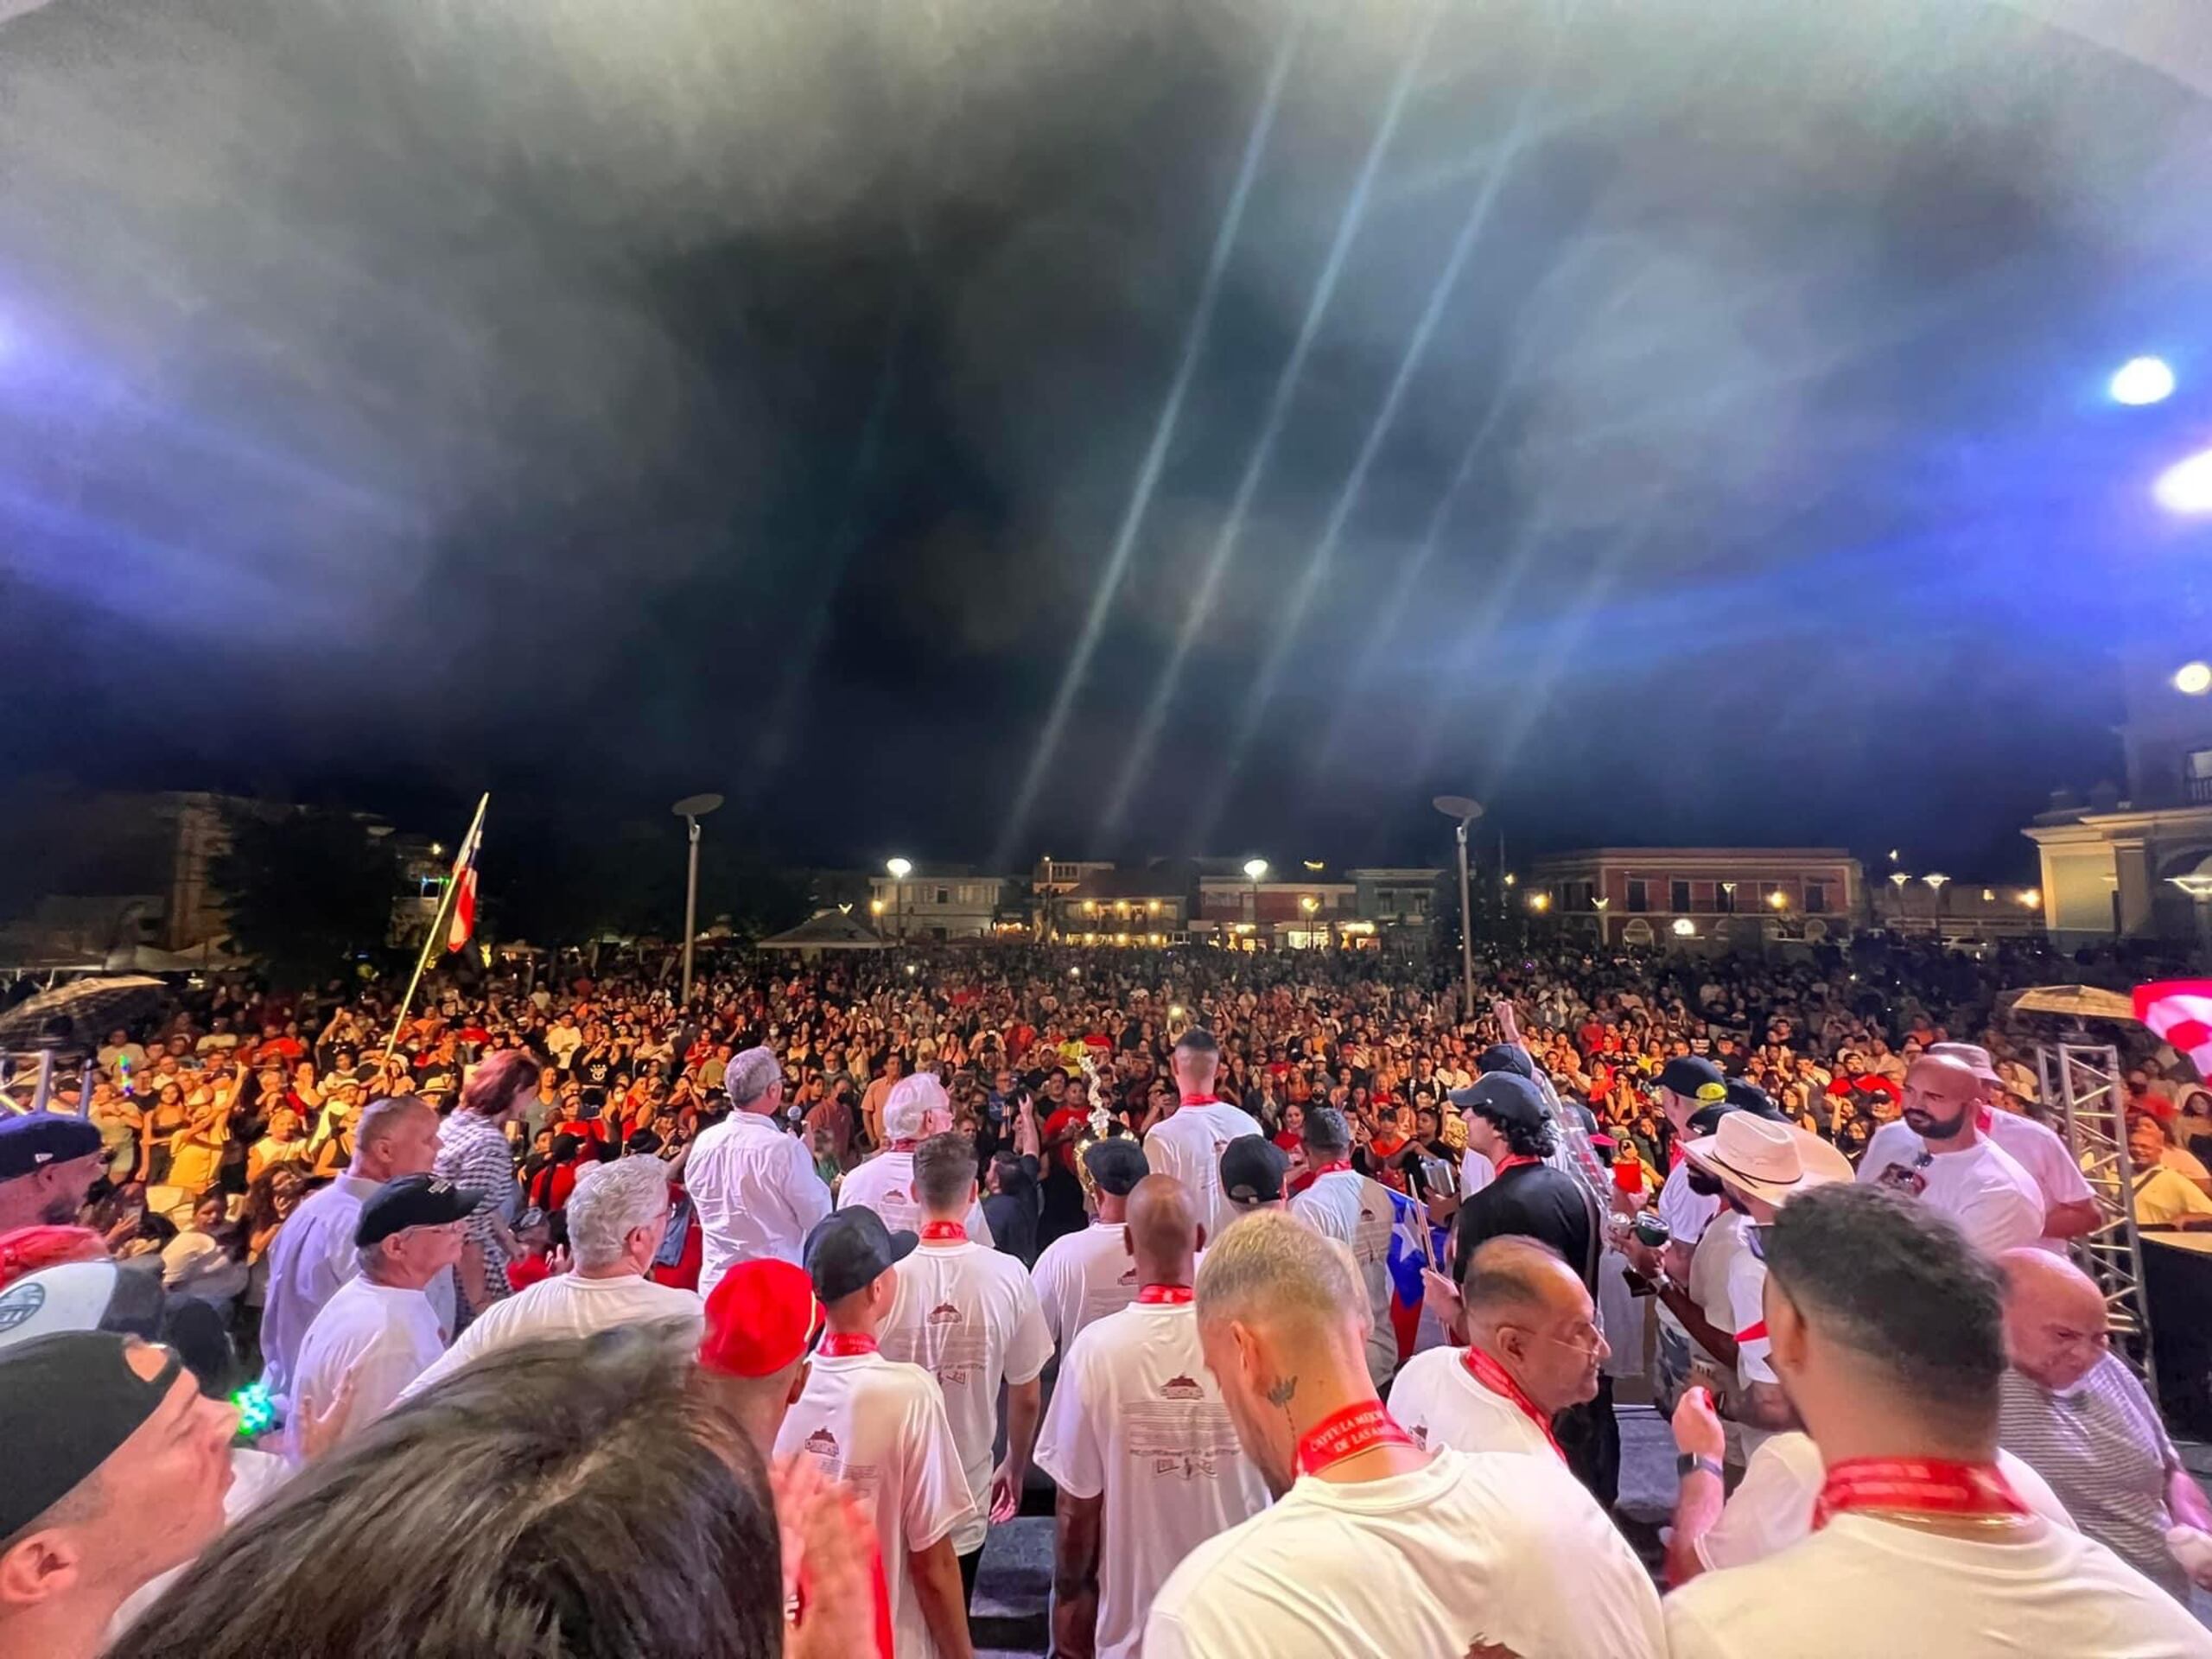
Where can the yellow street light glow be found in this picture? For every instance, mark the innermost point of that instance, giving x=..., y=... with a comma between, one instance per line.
x=1540, y=901
x=2032, y=898
x=1778, y=898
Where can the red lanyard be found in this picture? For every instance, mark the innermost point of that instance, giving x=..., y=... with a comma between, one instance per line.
x=1165, y=1296
x=1515, y=1161
x=1319, y=1170
x=1346, y=1434
x=1499, y=1381
x=843, y=1344
x=944, y=1232
x=1915, y=1486
x=1201, y=1100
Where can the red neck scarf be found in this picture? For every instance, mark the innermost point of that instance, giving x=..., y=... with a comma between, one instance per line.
x=902, y=1146
x=944, y=1232
x=1514, y=1160
x=842, y=1345
x=1319, y=1170
x=1201, y=1100
x=1346, y=1434
x=1165, y=1296
x=1915, y=1486
x=1499, y=1381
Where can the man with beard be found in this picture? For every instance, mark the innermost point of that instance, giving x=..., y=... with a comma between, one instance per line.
x=1956, y=1168
x=1376, y=1546
x=48, y=1164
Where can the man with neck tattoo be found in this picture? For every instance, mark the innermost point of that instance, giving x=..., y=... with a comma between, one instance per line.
x=1377, y=1549
x=1146, y=1458
x=1888, y=1337
x=1188, y=1145
x=968, y=1316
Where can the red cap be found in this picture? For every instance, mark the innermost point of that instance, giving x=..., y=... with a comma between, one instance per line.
x=761, y=1317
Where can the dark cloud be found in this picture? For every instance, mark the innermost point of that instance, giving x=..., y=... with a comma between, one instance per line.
x=601, y=402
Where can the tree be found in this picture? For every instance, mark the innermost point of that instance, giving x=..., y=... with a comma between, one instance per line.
x=306, y=888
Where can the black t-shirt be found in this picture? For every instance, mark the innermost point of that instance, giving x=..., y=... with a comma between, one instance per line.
x=1535, y=1201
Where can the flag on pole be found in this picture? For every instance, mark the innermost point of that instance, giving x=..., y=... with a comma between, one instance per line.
x=1408, y=1255
x=464, y=882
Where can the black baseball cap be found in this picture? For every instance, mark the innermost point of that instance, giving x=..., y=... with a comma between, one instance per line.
x=849, y=1249
x=1117, y=1165
x=30, y=1142
x=1252, y=1170
x=1505, y=1098
x=67, y=1402
x=1694, y=1076
x=412, y=1201
x=1747, y=1097
x=1505, y=1057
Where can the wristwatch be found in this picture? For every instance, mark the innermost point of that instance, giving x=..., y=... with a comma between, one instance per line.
x=1688, y=1463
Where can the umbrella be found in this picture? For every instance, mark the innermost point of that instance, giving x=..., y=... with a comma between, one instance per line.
x=91, y=1009
x=2081, y=1001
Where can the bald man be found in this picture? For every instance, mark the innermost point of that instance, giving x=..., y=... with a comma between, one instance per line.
x=2075, y=1414
x=1146, y=1458
x=1533, y=1350
x=1376, y=1545
x=1951, y=1166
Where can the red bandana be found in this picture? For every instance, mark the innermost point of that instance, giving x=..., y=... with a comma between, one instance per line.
x=1346, y=1434
x=1319, y=1170
x=944, y=1232
x=1201, y=1100
x=840, y=1345
x=1494, y=1377
x=1514, y=1160
x=1915, y=1486
x=1167, y=1295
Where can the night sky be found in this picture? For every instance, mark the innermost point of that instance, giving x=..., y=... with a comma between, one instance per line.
x=1669, y=421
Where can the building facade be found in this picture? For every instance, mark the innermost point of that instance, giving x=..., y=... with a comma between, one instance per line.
x=1731, y=897
x=953, y=903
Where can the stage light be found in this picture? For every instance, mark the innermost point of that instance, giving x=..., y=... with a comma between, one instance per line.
x=2186, y=486
x=2142, y=380
x=1684, y=928
x=2193, y=679
x=2032, y=898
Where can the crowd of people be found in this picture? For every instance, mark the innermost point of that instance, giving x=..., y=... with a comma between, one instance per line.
x=1299, y=1283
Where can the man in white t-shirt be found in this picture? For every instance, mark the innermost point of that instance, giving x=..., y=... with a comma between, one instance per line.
x=879, y=1425
x=1187, y=1144
x=1376, y=1548
x=1533, y=1349
x=1957, y=1169
x=1084, y=1276
x=1343, y=1205
x=379, y=1332
x=1147, y=1460
x=2068, y=1208
x=968, y=1315
x=1888, y=1337
x=617, y=1216
x=753, y=1187
x=915, y=1108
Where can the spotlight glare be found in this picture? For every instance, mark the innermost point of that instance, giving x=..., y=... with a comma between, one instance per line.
x=2142, y=380
x=2186, y=486
x=2193, y=679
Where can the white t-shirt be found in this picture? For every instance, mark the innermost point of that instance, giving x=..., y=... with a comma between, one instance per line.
x=967, y=1315
x=566, y=1305
x=1082, y=1277
x=1345, y=1205
x=885, y=1184
x=1188, y=1147
x=1861, y=1585
x=756, y=1193
x=881, y=1427
x=1995, y=1202
x=1773, y=1509
x=1728, y=1283
x=1437, y=1402
x=1137, y=1417
x=381, y=1336
x=2040, y=1154
x=1494, y=1548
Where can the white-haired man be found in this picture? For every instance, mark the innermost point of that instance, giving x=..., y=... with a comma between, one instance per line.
x=616, y=1217
x=753, y=1186
x=915, y=1109
x=1376, y=1545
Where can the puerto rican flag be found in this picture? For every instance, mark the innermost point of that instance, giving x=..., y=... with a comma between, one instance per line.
x=464, y=882
x=2180, y=1010
x=1408, y=1255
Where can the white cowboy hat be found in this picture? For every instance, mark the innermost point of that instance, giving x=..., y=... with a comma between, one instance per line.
x=1767, y=1160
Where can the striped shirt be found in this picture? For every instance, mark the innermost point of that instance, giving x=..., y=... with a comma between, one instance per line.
x=2103, y=1451
x=473, y=1154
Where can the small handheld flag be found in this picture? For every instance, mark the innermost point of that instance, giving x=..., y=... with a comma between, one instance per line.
x=464, y=883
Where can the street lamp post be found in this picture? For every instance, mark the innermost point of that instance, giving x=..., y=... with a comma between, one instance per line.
x=900, y=869
x=1463, y=810
x=1256, y=868
x=1935, y=879
x=691, y=808
x=1898, y=880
